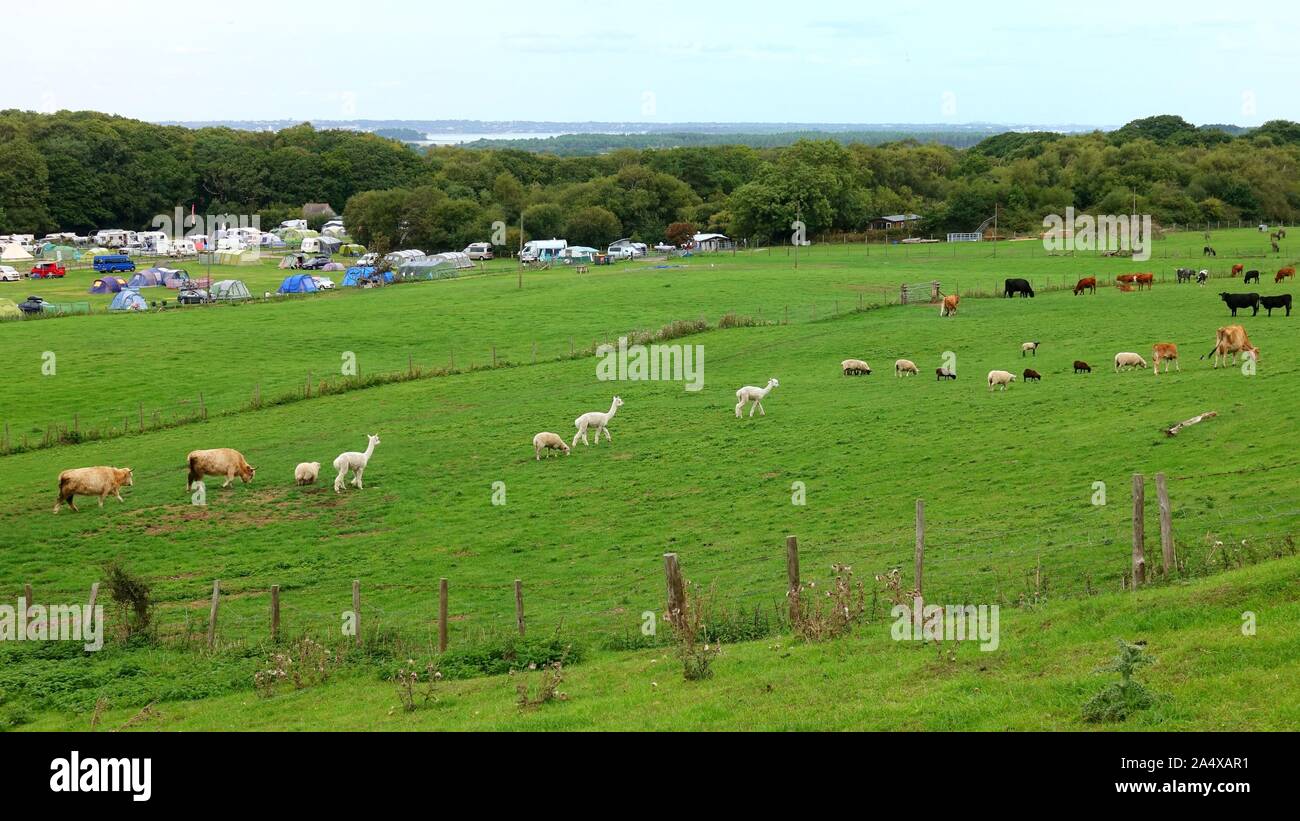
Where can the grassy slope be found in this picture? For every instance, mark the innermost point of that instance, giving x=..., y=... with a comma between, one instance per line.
x=1214, y=678
x=1008, y=479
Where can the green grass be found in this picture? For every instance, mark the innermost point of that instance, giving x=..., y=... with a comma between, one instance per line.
x=1007, y=478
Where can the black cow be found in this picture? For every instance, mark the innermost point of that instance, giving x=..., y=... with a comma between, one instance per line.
x=1208, y=251
x=1280, y=301
x=1185, y=275
x=1251, y=275
x=1018, y=286
x=1235, y=301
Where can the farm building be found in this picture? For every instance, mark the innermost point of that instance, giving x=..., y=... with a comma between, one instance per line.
x=712, y=242
x=893, y=222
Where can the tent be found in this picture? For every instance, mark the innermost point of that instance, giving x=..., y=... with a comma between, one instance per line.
x=64, y=253
x=355, y=277
x=291, y=261
x=13, y=252
x=436, y=266
x=129, y=299
x=230, y=290
x=333, y=266
x=298, y=284
x=351, y=249
x=8, y=310
x=174, y=277
x=107, y=285
x=151, y=278
x=272, y=241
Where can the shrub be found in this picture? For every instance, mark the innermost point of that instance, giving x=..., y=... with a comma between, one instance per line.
x=833, y=614
x=133, y=597
x=1121, y=699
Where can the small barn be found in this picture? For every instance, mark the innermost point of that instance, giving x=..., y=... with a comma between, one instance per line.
x=712, y=242
x=893, y=222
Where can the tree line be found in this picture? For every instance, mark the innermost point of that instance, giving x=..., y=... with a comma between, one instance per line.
x=76, y=171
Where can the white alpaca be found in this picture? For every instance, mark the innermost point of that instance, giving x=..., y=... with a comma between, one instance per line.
x=749, y=393
x=355, y=462
x=597, y=421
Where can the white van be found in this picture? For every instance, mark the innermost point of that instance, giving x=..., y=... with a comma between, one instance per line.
x=542, y=249
x=479, y=250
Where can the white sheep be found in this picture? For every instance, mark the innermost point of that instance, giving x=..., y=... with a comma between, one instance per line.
x=854, y=367
x=750, y=393
x=597, y=421
x=306, y=473
x=1026, y=347
x=355, y=462
x=1128, y=359
x=905, y=367
x=549, y=441
x=1003, y=378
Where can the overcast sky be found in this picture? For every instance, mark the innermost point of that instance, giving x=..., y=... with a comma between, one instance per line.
x=1099, y=63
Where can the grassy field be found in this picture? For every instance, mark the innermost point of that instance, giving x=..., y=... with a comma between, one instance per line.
x=1008, y=478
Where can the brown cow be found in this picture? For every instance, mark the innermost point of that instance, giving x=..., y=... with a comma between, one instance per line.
x=97, y=481
x=225, y=462
x=1238, y=268
x=1165, y=352
x=1144, y=279
x=1232, y=339
x=1085, y=284
x=1284, y=273
x=1127, y=279
x=949, y=307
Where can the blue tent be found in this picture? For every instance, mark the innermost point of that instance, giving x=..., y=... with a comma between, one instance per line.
x=151, y=278
x=354, y=275
x=107, y=285
x=298, y=284
x=129, y=299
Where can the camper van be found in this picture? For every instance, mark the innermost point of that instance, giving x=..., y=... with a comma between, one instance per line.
x=542, y=250
x=479, y=250
x=181, y=248
x=627, y=249
x=115, y=238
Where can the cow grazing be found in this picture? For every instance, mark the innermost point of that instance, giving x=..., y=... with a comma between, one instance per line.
x=1235, y=301
x=225, y=462
x=99, y=481
x=1144, y=279
x=1026, y=347
x=1017, y=286
x=1184, y=275
x=1086, y=284
x=1251, y=276
x=1231, y=340
x=1032, y=375
x=1201, y=276
x=1165, y=352
x=1208, y=252
x=949, y=306
x=941, y=374
x=1284, y=273
x=1238, y=268
x=1279, y=301
x=1082, y=367
x=1126, y=279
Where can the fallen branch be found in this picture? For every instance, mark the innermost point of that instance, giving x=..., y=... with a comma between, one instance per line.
x=1173, y=431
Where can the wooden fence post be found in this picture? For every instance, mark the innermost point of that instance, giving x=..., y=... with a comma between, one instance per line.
x=94, y=596
x=275, y=612
x=212, y=613
x=356, y=609
x=918, y=570
x=519, y=605
x=676, y=588
x=1139, y=533
x=442, y=615
x=1169, y=561
x=792, y=583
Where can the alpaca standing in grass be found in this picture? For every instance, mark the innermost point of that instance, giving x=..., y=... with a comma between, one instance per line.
x=597, y=421
x=355, y=462
x=749, y=393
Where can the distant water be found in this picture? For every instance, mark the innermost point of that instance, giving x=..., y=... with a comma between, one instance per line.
x=461, y=137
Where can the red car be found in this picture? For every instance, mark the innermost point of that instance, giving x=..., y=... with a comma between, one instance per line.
x=46, y=270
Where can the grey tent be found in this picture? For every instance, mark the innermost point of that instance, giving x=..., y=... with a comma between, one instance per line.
x=230, y=290
x=434, y=266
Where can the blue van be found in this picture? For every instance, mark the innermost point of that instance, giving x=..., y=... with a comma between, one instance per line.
x=113, y=263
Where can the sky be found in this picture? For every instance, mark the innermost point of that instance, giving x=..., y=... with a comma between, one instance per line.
x=1100, y=63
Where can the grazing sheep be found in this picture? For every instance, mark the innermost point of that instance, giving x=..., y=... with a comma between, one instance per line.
x=1032, y=375
x=355, y=462
x=1026, y=347
x=1002, y=378
x=226, y=462
x=595, y=420
x=905, y=367
x=855, y=367
x=306, y=473
x=1128, y=359
x=97, y=481
x=1082, y=367
x=941, y=374
x=549, y=441
x=749, y=393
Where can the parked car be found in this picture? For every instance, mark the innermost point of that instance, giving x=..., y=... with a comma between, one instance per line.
x=192, y=296
x=627, y=249
x=367, y=260
x=46, y=270
x=665, y=247
x=323, y=283
x=113, y=263
x=315, y=263
x=479, y=250
x=9, y=274
x=32, y=305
